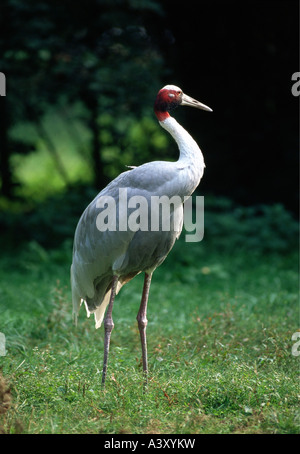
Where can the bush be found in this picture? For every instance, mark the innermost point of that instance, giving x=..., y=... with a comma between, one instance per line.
x=260, y=228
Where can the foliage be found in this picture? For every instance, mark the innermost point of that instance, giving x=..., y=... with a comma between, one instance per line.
x=112, y=57
x=259, y=228
x=102, y=56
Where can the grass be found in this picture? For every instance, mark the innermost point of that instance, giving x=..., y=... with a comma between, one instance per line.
x=221, y=318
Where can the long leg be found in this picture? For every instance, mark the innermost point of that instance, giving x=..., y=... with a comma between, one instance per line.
x=108, y=326
x=142, y=322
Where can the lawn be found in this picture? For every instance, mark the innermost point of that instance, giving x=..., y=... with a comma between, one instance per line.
x=221, y=314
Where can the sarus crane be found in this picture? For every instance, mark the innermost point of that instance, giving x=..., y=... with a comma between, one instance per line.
x=104, y=259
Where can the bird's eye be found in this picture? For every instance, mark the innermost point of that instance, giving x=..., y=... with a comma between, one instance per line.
x=179, y=92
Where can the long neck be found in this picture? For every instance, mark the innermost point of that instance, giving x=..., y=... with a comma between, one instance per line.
x=190, y=164
x=189, y=151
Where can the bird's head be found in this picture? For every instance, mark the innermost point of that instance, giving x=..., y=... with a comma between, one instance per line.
x=170, y=97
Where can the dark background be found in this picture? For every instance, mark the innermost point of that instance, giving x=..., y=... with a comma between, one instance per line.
x=239, y=57
x=236, y=57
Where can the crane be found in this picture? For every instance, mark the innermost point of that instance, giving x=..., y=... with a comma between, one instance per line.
x=104, y=259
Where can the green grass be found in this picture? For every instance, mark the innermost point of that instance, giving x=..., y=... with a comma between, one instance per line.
x=221, y=318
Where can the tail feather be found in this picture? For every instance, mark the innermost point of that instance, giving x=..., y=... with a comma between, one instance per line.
x=99, y=312
x=76, y=300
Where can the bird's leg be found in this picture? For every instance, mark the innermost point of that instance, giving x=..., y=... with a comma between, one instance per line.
x=108, y=326
x=142, y=322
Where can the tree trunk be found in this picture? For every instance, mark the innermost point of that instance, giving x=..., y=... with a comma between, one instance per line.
x=92, y=104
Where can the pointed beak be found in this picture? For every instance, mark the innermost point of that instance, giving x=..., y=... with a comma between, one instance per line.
x=188, y=101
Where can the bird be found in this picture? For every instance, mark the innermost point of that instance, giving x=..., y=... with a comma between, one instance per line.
x=105, y=259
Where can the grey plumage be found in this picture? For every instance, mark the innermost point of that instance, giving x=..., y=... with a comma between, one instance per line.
x=102, y=259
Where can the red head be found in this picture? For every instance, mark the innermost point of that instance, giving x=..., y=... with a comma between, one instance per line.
x=170, y=97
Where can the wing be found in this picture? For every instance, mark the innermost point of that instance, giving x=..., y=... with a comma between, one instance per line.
x=94, y=254
x=97, y=254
